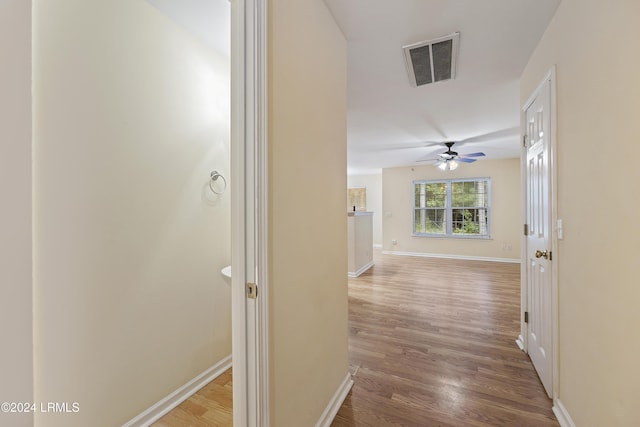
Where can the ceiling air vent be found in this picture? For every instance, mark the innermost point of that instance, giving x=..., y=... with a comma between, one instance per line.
x=433, y=60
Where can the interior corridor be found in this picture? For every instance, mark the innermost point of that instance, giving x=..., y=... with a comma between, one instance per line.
x=433, y=342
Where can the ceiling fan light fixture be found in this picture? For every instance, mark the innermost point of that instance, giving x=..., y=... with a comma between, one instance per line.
x=448, y=165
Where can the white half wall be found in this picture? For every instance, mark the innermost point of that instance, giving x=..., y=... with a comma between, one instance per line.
x=373, y=184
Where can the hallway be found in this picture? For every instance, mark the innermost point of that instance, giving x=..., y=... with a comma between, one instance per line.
x=434, y=344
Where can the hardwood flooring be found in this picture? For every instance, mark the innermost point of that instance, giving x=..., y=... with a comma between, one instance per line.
x=433, y=341
x=434, y=344
x=211, y=406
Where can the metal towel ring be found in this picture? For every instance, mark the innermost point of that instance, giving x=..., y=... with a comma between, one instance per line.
x=214, y=177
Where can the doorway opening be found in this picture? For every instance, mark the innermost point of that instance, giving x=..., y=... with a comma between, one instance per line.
x=238, y=31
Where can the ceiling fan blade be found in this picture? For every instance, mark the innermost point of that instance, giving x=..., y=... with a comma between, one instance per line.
x=464, y=160
x=431, y=155
x=478, y=154
x=429, y=160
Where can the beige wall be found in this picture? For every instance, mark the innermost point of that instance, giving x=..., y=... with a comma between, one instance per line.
x=598, y=98
x=307, y=223
x=506, y=221
x=16, y=356
x=373, y=184
x=131, y=115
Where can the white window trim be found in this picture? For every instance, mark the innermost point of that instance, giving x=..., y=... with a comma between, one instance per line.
x=449, y=209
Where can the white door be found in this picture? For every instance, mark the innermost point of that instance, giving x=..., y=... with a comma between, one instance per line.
x=538, y=238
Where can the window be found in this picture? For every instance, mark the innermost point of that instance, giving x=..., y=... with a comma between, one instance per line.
x=452, y=207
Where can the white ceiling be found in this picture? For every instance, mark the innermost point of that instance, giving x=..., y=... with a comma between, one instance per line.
x=389, y=120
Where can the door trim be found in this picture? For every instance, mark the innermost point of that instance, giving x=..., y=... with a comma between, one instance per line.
x=522, y=340
x=261, y=185
x=250, y=338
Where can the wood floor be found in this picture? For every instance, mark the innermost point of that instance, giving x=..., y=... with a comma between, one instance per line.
x=211, y=406
x=434, y=344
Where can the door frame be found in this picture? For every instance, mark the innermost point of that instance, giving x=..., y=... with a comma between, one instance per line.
x=250, y=338
x=522, y=340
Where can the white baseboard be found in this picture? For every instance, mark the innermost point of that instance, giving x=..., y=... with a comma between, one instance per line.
x=562, y=414
x=336, y=402
x=362, y=270
x=450, y=256
x=377, y=245
x=161, y=408
x=520, y=342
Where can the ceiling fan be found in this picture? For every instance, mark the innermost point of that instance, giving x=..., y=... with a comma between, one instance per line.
x=449, y=159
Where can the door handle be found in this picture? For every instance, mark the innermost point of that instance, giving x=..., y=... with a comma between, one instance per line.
x=542, y=254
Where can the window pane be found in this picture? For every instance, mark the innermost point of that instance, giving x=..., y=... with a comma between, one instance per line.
x=430, y=195
x=418, y=196
x=469, y=221
x=436, y=194
x=430, y=221
x=470, y=194
x=483, y=222
x=457, y=198
x=469, y=187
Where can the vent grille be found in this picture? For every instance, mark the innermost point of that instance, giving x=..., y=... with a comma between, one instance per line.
x=432, y=61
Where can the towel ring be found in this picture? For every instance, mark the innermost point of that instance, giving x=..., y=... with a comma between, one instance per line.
x=214, y=177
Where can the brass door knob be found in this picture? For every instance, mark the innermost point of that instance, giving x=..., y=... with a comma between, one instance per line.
x=542, y=254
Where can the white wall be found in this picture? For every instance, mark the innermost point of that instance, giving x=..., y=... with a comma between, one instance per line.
x=593, y=45
x=373, y=184
x=16, y=356
x=131, y=115
x=307, y=220
x=505, y=202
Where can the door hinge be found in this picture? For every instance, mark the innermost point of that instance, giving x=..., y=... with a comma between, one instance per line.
x=526, y=229
x=526, y=317
x=252, y=290
x=524, y=141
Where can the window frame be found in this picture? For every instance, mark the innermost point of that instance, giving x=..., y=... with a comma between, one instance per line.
x=448, y=208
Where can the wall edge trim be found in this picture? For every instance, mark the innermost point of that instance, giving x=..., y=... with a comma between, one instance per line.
x=163, y=406
x=336, y=402
x=451, y=256
x=361, y=270
x=562, y=414
x=520, y=342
